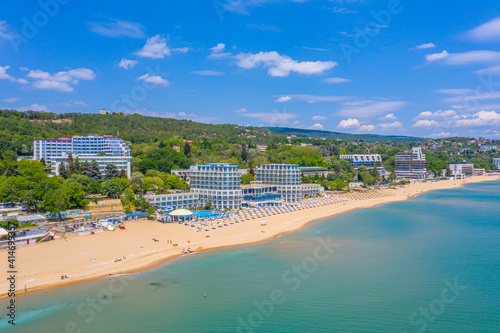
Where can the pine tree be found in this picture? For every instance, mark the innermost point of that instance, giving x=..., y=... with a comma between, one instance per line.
x=187, y=150
x=64, y=170
x=244, y=153
x=110, y=171
x=92, y=171
x=123, y=174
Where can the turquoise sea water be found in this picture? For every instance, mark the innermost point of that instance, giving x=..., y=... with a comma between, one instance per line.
x=430, y=264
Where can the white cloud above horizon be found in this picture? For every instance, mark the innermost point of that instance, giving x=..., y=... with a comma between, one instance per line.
x=368, y=108
x=117, y=28
x=487, y=32
x=127, y=64
x=156, y=48
x=61, y=81
x=155, y=79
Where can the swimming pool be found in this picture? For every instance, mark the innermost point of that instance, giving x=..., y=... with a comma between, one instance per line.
x=207, y=213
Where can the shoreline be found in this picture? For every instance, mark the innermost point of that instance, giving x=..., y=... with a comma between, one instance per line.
x=73, y=255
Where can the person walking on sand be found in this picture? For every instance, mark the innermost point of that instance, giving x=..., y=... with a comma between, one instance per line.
x=26, y=289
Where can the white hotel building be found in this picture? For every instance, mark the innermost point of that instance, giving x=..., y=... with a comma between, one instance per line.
x=86, y=148
x=220, y=184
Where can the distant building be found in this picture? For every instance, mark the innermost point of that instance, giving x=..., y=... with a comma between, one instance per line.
x=456, y=169
x=102, y=149
x=479, y=172
x=487, y=147
x=183, y=174
x=262, y=147
x=411, y=164
x=177, y=148
x=496, y=161
x=104, y=111
x=312, y=171
x=369, y=161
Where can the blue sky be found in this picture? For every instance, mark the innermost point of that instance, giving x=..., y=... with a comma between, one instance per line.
x=423, y=68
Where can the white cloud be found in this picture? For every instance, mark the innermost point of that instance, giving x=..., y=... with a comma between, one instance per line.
x=35, y=107
x=465, y=58
x=218, y=52
x=117, y=28
x=283, y=99
x=244, y=6
x=436, y=56
x=319, y=118
x=4, y=31
x=74, y=102
x=10, y=99
x=481, y=118
x=4, y=75
x=127, y=64
x=207, y=73
x=487, y=32
x=314, y=98
x=156, y=48
x=60, y=81
x=242, y=110
x=366, y=128
x=426, y=46
x=425, y=123
x=495, y=70
x=336, y=80
x=389, y=116
x=442, y=135
x=369, y=108
x=316, y=126
x=274, y=118
x=393, y=125
x=281, y=65
x=456, y=91
x=154, y=79
x=349, y=123
x=450, y=119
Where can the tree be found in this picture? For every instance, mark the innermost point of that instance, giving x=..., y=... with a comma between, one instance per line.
x=76, y=194
x=208, y=205
x=64, y=170
x=187, y=149
x=123, y=174
x=111, y=188
x=55, y=202
x=161, y=145
x=110, y=171
x=146, y=165
x=92, y=171
x=137, y=179
x=247, y=178
x=94, y=187
x=129, y=194
x=244, y=153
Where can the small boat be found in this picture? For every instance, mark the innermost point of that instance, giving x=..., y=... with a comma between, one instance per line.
x=189, y=250
x=184, y=251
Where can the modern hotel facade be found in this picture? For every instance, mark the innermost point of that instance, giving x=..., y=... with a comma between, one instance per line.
x=496, y=161
x=220, y=184
x=369, y=161
x=103, y=149
x=410, y=164
x=459, y=170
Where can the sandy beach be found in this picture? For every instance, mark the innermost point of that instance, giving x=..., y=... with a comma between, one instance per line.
x=41, y=266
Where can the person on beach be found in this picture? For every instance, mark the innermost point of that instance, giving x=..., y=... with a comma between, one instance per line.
x=25, y=289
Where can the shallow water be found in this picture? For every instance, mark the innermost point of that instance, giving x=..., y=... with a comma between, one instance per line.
x=390, y=270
